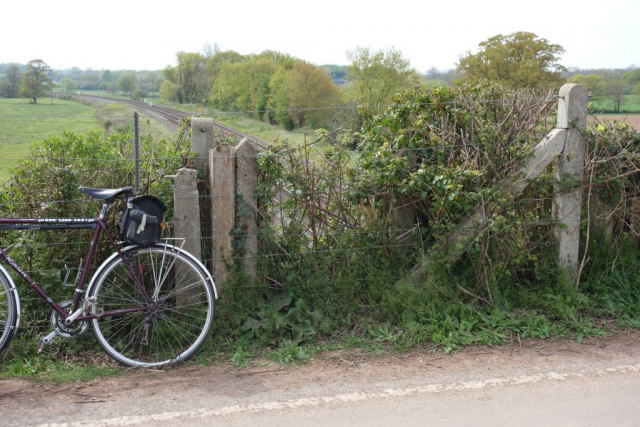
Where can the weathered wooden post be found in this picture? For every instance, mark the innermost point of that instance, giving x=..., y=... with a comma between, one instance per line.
x=223, y=187
x=246, y=187
x=567, y=204
x=186, y=223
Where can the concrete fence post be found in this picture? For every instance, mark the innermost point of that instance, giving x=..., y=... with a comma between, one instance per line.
x=186, y=218
x=186, y=223
x=403, y=214
x=201, y=140
x=246, y=187
x=222, y=187
x=567, y=204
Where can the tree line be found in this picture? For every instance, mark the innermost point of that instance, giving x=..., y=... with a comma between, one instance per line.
x=135, y=84
x=288, y=91
x=281, y=89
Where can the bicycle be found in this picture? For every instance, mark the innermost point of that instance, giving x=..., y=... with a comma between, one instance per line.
x=146, y=306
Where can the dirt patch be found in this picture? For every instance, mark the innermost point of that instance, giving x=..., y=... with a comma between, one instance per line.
x=632, y=120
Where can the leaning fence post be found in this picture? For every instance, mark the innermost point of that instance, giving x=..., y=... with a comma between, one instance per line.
x=247, y=184
x=222, y=186
x=567, y=204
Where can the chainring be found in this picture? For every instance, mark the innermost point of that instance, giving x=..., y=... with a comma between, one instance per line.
x=75, y=330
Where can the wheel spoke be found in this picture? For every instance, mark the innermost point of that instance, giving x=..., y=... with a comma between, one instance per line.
x=171, y=329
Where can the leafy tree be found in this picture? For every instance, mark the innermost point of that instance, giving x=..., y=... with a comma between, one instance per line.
x=615, y=91
x=68, y=85
x=10, y=86
x=90, y=81
x=112, y=87
x=169, y=90
x=632, y=77
x=278, y=104
x=594, y=83
x=636, y=89
x=36, y=80
x=249, y=81
x=519, y=60
x=108, y=76
x=284, y=59
x=376, y=76
x=311, y=91
x=150, y=81
x=192, y=76
x=218, y=89
x=127, y=83
x=224, y=91
x=215, y=62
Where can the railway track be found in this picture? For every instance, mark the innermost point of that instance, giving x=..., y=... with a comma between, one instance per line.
x=175, y=117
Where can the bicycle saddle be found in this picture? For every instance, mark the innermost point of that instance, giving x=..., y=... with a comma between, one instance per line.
x=106, y=193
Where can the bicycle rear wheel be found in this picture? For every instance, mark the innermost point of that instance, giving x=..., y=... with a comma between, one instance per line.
x=176, y=320
x=8, y=312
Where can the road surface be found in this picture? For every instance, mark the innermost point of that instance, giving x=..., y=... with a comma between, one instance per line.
x=528, y=383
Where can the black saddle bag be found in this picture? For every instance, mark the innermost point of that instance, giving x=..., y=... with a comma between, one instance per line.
x=142, y=220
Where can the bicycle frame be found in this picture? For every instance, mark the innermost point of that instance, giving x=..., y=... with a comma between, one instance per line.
x=99, y=226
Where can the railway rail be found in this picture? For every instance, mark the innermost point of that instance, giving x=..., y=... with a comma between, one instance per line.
x=175, y=117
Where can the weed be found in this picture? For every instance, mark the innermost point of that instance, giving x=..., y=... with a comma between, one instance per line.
x=240, y=357
x=288, y=352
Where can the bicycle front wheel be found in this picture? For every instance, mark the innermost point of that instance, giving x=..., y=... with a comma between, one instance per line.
x=166, y=320
x=8, y=312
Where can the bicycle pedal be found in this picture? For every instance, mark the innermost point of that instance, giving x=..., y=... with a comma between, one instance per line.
x=46, y=340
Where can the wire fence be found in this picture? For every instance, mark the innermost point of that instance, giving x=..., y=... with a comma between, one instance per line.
x=453, y=138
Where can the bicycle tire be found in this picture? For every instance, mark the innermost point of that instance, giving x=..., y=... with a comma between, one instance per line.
x=172, y=331
x=8, y=312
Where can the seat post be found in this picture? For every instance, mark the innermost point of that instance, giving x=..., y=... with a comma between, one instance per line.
x=103, y=212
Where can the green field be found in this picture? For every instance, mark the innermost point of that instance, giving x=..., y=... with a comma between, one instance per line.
x=22, y=123
x=630, y=103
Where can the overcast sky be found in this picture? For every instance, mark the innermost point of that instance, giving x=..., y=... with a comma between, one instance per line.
x=143, y=34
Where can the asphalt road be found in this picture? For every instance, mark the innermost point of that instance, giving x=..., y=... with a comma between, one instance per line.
x=537, y=383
